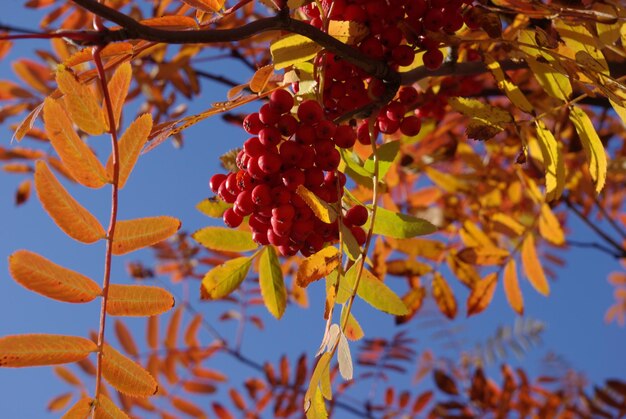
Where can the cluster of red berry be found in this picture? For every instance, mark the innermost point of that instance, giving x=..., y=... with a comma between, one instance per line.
x=396, y=29
x=284, y=153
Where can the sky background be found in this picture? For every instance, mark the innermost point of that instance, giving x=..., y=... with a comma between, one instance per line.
x=171, y=182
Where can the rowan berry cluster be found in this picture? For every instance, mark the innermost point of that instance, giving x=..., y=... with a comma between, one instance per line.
x=287, y=151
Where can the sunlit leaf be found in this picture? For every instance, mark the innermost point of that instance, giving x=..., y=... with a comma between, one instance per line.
x=125, y=337
x=68, y=376
x=138, y=300
x=386, y=154
x=512, y=91
x=118, y=90
x=22, y=194
x=486, y=120
x=225, y=239
x=106, y=409
x=318, y=265
x=552, y=161
x=400, y=226
x=322, y=364
x=40, y=349
x=135, y=234
x=261, y=77
x=347, y=31
x=482, y=294
x=208, y=6
x=80, y=103
x=442, y=293
x=213, y=207
x=187, y=407
x=353, y=330
x=377, y=294
x=173, y=327
x=271, y=282
x=292, y=49
x=482, y=255
x=532, y=266
x=511, y=287
x=320, y=208
x=59, y=402
x=592, y=145
x=125, y=375
x=80, y=410
x=225, y=278
x=130, y=145
x=550, y=227
x=42, y=276
x=75, y=154
x=344, y=358
x=71, y=217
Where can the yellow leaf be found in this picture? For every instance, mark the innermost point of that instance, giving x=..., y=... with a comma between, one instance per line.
x=443, y=296
x=482, y=294
x=80, y=103
x=272, y=283
x=476, y=109
x=511, y=90
x=551, y=76
x=511, y=287
x=320, y=208
x=135, y=234
x=40, y=349
x=318, y=266
x=130, y=145
x=592, y=145
x=118, y=90
x=106, y=409
x=261, y=77
x=608, y=33
x=579, y=39
x=293, y=49
x=322, y=364
x=42, y=276
x=553, y=162
x=532, y=266
x=473, y=236
x=125, y=375
x=80, y=410
x=374, y=292
x=213, y=207
x=464, y=272
x=71, y=217
x=225, y=278
x=75, y=154
x=352, y=328
x=507, y=223
x=225, y=239
x=138, y=300
x=125, y=338
x=347, y=31
x=207, y=6
x=445, y=181
x=549, y=226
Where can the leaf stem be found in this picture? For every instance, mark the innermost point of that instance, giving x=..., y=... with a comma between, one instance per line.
x=113, y=217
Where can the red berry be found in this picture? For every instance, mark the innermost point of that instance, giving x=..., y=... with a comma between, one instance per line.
x=344, y=137
x=434, y=20
x=292, y=178
x=244, y=202
x=270, y=136
x=310, y=112
x=290, y=153
x=269, y=163
x=403, y=55
x=284, y=213
x=280, y=195
x=325, y=129
x=356, y=216
x=281, y=101
x=359, y=234
x=433, y=58
x=253, y=147
x=268, y=115
x=395, y=111
x=410, y=126
x=252, y=123
x=313, y=177
x=261, y=195
x=231, y=218
x=216, y=181
x=305, y=134
x=407, y=95
x=287, y=125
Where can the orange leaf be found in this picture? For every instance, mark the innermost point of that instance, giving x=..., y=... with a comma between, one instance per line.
x=532, y=266
x=318, y=265
x=130, y=145
x=34, y=74
x=125, y=338
x=208, y=6
x=152, y=335
x=171, y=22
x=42, y=276
x=443, y=296
x=80, y=103
x=71, y=217
x=40, y=349
x=511, y=287
x=126, y=375
x=22, y=194
x=59, y=402
x=138, y=300
x=75, y=154
x=172, y=329
x=106, y=409
x=80, y=410
x=135, y=234
x=550, y=227
x=118, y=90
x=482, y=294
x=68, y=376
x=199, y=387
x=187, y=407
x=261, y=77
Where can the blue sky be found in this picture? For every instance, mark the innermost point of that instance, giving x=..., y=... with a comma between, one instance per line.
x=171, y=182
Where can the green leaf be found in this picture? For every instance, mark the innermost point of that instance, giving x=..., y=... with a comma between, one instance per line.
x=374, y=292
x=225, y=278
x=352, y=166
x=592, y=145
x=387, y=154
x=213, y=207
x=350, y=245
x=271, y=281
x=400, y=226
x=292, y=49
x=225, y=239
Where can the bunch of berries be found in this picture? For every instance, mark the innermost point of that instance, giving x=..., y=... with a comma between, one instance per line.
x=284, y=153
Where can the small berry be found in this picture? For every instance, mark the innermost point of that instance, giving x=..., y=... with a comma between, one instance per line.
x=232, y=219
x=310, y=112
x=356, y=216
x=216, y=181
x=281, y=101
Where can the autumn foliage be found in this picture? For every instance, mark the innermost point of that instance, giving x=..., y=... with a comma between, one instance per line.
x=446, y=143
